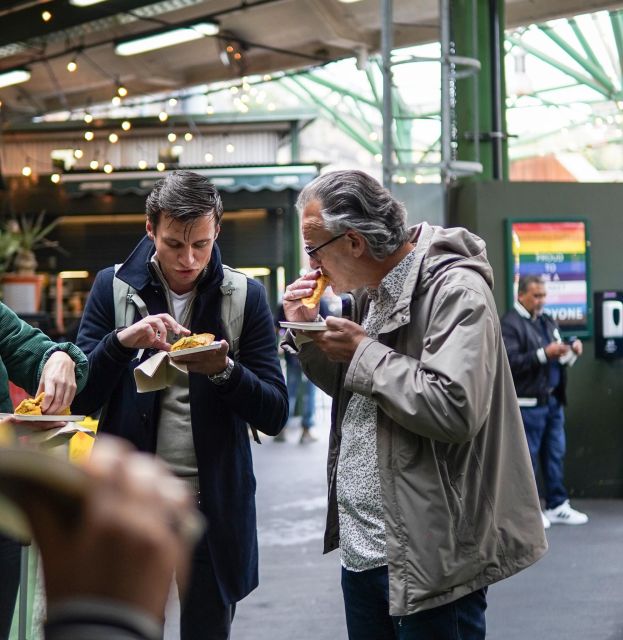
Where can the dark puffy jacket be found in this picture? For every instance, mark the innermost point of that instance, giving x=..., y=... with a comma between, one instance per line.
x=255, y=393
x=523, y=338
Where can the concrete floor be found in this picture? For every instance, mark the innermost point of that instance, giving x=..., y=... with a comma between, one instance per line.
x=574, y=593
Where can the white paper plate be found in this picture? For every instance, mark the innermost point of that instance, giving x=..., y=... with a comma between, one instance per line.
x=304, y=326
x=186, y=352
x=22, y=417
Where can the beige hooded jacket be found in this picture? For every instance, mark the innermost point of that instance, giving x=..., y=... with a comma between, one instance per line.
x=459, y=496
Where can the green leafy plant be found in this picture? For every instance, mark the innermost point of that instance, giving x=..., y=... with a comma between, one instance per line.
x=8, y=246
x=24, y=236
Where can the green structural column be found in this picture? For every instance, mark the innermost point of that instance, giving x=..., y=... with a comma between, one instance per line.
x=480, y=110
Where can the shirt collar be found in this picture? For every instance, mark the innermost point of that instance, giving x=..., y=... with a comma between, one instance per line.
x=391, y=285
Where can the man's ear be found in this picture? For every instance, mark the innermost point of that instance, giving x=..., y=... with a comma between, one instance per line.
x=356, y=243
x=149, y=229
x=217, y=231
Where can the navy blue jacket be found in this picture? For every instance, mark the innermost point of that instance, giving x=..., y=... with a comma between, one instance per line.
x=255, y=393
x=522, y=339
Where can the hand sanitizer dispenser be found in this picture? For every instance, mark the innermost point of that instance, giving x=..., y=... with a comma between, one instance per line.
x=609, y=324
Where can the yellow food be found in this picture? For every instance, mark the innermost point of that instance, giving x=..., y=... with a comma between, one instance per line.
x=321, y=284
x=32, y=407
x=193, y=340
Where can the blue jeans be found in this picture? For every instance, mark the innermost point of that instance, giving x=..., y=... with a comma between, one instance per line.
x=545, y=432
x=203, y=615
x=366, y=600
x=10, y=552
x=295, y=380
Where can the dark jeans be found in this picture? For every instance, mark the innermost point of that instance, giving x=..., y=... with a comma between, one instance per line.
x=296, y=380
x=366, y=600
x=545, y=432
x=204, y=616
x=9, y=582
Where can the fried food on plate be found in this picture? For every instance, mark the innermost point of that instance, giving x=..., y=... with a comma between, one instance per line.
x=321, y=284
x=193, y=340
x=32, y=407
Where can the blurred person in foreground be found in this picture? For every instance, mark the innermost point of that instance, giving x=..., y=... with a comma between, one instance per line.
x=197, y=424
x=111, y=534
x=34, y=362
x=539, y=360
x=431, y=495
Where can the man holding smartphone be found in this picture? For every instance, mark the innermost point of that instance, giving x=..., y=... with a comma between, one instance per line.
x=539, y=360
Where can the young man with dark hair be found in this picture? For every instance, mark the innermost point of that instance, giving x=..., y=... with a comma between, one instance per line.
x=197, y=424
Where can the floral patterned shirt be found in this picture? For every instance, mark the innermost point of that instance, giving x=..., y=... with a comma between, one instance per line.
x=360, y=506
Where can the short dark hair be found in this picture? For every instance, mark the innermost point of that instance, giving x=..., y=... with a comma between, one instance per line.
x=354, y=200
x=183, y=196
x=526, y=281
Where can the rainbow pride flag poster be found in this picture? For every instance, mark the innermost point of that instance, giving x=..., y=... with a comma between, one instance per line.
x=558, y=252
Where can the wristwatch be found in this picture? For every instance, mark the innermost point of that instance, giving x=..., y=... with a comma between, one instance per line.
x=224, y=375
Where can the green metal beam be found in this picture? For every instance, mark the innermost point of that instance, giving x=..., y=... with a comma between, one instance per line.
x=337, y=88
x=617, y=30
x=576, y=75
x=339, y=120
x=593, y=70
x=588, y=50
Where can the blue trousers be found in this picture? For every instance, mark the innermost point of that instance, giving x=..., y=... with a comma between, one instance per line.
x=366, y=600
x=545, y=432
x=296, y=379
x=203, y=615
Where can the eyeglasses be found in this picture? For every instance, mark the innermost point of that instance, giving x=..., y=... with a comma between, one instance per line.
x=310, y=251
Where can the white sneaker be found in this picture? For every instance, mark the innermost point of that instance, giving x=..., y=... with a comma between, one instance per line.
x=564, y=514
x=546, y=523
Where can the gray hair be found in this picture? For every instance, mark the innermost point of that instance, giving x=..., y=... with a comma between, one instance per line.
x=183, y=196
x=355, y=200
x=526, y=281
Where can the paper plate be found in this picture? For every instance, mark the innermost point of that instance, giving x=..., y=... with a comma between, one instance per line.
x=24, y=417
x=187, y=352
x=304, y=326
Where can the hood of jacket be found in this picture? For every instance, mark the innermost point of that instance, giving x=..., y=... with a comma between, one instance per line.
x=437, y=250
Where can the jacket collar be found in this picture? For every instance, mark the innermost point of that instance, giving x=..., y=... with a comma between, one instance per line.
x=522, y=311
x=138, y=272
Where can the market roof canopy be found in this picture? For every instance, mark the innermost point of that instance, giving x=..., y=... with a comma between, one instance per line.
x=255, y=36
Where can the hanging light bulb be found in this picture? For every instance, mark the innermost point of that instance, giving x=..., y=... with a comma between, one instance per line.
x=126, y=125
x=108, y=168
x=122, y=91
x=208, y=157
x=89, y=135
x=116, y=100
x=55, y=178
x=188, y=136
x=78, y=153
x=142, y=164
x=113, y=138
x=229, y=147
x=163, y=116
x=172, y=102
x=160, y=166
x=171, y=137
x=209, y=109
x=94, y=164
x=72, y=65
x=88, y=118
x=26, y=170
x=46, y=16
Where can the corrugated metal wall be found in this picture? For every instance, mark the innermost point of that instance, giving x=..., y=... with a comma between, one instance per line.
x=248, y=148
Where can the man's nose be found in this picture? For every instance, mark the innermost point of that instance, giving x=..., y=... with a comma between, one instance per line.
x=186, y=256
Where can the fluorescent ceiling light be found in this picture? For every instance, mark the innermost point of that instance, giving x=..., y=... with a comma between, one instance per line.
x=85, y=3
x=166, y=38
x=14, y=77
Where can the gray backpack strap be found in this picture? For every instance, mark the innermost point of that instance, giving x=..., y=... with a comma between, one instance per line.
x=127, y=301
x=234, y=290
x=234, y=297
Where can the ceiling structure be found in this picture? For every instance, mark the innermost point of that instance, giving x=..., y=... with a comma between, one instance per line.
x=255, y=37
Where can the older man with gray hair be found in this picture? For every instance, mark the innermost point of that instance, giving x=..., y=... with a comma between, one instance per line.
x=431, y=495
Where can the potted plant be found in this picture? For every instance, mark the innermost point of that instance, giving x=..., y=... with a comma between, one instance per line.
x=19, y=239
